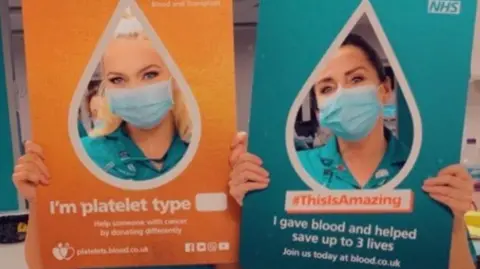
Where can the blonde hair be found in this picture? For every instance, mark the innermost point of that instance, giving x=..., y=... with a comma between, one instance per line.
x=130, y=27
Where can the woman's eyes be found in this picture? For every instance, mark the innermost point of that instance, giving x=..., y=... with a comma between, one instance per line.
x=358, y=79
x=116, y=80
x=326, y=90
x=329, y=88
x=150, y=75
x=146, y=76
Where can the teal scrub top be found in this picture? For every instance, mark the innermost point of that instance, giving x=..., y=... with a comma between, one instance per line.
x=326, y=166
x=119, y=156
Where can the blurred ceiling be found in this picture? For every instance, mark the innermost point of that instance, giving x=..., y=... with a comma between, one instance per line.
x=16, y=24
x=245, y=13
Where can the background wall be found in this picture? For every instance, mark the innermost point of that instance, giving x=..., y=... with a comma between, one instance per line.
x=471, y=153
x=244, y=54
x=472, y=119
x=476, y=49
x=9, y=200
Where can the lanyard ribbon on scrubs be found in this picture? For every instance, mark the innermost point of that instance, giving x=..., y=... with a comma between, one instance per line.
x=330, y=172
x=125, y=163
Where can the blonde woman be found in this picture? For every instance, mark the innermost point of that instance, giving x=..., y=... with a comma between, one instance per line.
x=143, y=132
x=144, y=125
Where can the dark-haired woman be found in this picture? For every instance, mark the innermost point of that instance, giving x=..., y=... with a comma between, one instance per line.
x=362, y=154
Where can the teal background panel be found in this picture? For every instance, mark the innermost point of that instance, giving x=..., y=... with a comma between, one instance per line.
x=8, y=194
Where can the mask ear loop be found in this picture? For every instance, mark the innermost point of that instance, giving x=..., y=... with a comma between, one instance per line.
x=171, y=88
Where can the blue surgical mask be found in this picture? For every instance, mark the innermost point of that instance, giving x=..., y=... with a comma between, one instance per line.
x=143, y=107
x=389, y=111
x=351, y=114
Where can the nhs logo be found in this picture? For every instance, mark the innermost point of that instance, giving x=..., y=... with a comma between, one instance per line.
x=452, y=7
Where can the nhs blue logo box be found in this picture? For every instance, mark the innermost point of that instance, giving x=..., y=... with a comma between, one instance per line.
x=322, y=208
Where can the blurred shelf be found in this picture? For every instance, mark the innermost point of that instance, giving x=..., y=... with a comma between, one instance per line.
x=12, y=256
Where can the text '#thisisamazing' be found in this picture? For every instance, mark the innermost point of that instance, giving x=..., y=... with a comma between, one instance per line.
x=361, y=201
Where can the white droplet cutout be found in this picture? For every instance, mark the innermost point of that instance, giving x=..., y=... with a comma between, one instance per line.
x=77, y=100
x=364, y=10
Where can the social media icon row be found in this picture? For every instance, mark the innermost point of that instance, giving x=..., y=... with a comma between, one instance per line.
x=207, y=247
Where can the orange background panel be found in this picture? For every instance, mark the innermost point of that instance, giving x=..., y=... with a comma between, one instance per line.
x=60, y=39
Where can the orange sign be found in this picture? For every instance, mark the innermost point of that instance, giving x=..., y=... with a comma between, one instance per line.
x=133, y=103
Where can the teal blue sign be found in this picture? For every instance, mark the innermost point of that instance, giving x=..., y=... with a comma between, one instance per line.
x=8, y=194
x=295, y=223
